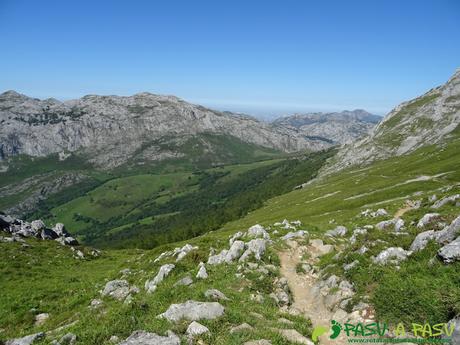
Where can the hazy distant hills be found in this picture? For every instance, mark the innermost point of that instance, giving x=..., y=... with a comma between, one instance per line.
x=337, y=127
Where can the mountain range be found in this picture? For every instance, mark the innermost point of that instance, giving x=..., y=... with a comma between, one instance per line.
x=111, y=130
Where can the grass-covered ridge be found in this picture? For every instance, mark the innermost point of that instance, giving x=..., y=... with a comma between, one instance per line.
x=422, y=289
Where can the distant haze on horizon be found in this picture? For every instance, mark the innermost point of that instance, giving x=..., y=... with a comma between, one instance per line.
x=262, y=58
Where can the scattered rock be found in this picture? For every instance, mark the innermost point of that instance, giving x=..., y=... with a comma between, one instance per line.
x=450, y=252
x=241, y=328
x=118, y=289
x=27, y=340
x=216, y=295
x=455, y=337
x=151, y=285
x=256, y=247
x=218, y=259
x=193, y=311
x=320, y=248
x=357, y=232
x=40, y=319
x=235, y=251
x=258, y=231
x=184, y=251
x=350, y=266
x=447, y=200
x=196, y=328
x=186, y=281
x=422, y=239
x=373, y=214
x=235, y=237
x=145, y=338
x=96, y=303
x=295, y=337
x=427, y=219
x=114, y=339
x=285, y=321
x=397, y=224
x=449, y=233
x=202, y=274
x=68, y=339
x=258, y=342
x=393, y=255
x=339, y=231
x=297, y=234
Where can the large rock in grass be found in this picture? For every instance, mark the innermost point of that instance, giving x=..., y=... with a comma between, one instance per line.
x=393, y=255
x=27, y=340
x=258, y=231
x=256, y=247
x=151, y=285
x=428, y=219
x=422, y=239
x=235, y=251
x=447, y=200
x=455, y=323
x=338, y=231
x=118, y=289
x=449, y=233
x=193, y=311
x=146, y=338
x=450, y=252
x=297, y=234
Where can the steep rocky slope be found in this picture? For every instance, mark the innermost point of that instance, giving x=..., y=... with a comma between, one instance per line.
x=428, y=119
x=112, y=129
x=339, y=128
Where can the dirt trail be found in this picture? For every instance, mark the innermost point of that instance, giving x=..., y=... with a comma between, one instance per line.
x=302, y=288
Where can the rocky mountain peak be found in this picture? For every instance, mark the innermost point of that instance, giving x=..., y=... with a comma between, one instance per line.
x=425, y=120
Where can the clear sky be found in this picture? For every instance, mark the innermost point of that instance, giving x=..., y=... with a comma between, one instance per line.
x=261, y=57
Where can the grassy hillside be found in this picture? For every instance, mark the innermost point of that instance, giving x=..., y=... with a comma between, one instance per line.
x=44, y=277
x=422, y=289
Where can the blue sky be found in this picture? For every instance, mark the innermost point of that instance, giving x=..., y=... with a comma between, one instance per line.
x=261, y=57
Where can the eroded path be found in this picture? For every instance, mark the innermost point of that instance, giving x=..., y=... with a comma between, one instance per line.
x=304, y=292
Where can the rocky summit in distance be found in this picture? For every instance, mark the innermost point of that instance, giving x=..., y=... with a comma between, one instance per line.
x=113, y=129
x=428, y=119
x=337, y=127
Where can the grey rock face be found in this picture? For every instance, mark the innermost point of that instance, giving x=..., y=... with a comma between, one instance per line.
x=146, y=338
x=450, y=252
x=193, y=311
x=151, y=285
x=111, y=129
x=27, y=340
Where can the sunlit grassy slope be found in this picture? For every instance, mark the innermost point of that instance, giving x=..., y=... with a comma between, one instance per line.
x=342, y=196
